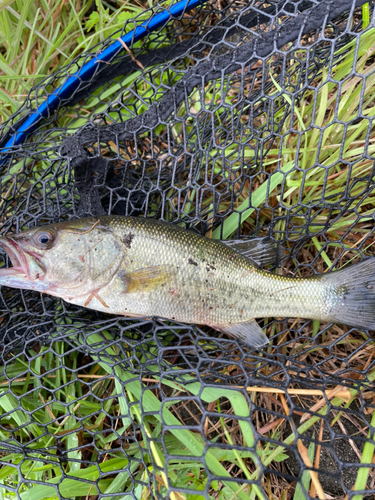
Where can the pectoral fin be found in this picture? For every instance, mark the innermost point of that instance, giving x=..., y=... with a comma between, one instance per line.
x=249, y=332
x=146, y=279
x=262, y=251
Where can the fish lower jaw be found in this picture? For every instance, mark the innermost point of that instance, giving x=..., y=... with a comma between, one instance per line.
x=17, y=257
x=15, y=277
x=11, y=271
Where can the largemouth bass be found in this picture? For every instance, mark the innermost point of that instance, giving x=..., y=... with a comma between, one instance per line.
x=144, y=268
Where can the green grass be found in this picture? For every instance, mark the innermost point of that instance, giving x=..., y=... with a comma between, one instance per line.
x=52, y=397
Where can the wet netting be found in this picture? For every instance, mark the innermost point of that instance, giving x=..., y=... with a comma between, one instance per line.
x=233, y=119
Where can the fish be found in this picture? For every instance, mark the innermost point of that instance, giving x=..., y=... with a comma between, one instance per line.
x=142, y=267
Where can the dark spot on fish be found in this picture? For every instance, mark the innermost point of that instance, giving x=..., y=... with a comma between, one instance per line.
x=210, y=307
x=231, y=257
x=192, y=262
x=37, y=276
x=127, y=240
x=212, y=267
x=122, y=275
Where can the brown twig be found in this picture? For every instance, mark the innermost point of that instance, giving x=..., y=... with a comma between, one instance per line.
x=314, y=475
x=130, y=53
x=88, y=230
x=82, y=257
x=270, y=426
x=47, y=407
x=344, y=394
x=317, y=457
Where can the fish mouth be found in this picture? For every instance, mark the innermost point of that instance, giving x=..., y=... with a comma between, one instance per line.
x=17, y=257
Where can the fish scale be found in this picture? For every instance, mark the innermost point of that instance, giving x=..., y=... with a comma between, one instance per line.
x=144, y=268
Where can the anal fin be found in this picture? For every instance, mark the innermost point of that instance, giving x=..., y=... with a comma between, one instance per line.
x=262, y=251
x=249, y=333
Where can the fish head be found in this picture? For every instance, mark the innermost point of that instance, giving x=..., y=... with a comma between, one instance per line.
x=65, y=259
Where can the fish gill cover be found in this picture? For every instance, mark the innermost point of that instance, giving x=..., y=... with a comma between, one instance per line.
x=234, y=119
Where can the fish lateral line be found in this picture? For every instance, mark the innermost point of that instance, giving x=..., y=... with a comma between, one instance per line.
x=282, y=290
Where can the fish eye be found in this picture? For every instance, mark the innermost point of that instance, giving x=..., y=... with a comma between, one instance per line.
x=44, y=238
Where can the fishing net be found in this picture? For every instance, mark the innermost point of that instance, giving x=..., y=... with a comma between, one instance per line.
x=232, y=119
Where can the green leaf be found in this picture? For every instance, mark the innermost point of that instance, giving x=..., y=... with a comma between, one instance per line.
x=92, y=21
x=280, y=457
x=367, y=458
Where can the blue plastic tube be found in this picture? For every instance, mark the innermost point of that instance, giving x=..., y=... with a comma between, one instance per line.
x=85, y=73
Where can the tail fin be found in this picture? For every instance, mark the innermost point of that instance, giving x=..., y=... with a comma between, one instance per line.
x=354, y=295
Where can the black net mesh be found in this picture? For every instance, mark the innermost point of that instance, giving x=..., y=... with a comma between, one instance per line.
x=238, y=118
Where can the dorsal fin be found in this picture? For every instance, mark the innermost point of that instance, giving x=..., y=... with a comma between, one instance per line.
x=262, y=251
